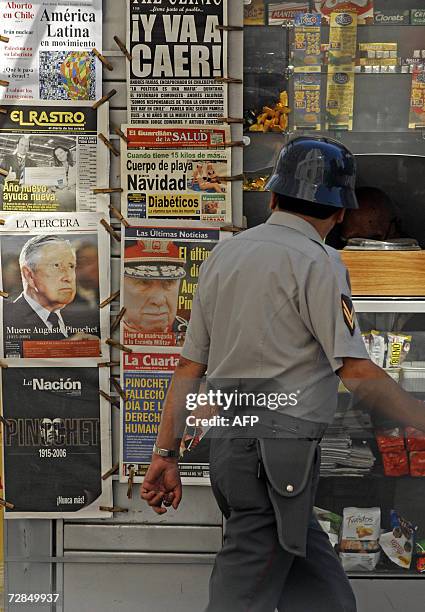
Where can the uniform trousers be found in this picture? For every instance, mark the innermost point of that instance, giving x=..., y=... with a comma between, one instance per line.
x=252, y=572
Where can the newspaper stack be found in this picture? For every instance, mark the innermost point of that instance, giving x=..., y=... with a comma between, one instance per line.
x=341, y=455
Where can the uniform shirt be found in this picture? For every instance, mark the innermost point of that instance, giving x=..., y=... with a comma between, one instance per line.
x=269, y=307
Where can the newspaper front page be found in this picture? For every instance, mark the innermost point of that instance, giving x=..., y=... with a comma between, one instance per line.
x=49, y=54
x=53, y=157
x=50, y=270
x=178, y=50
x=176, y=172
x=146, y=376
x=159, y=277
x=57, y=443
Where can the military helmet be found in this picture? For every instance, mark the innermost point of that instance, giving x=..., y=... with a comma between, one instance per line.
x=151, y=259
x=317, y=170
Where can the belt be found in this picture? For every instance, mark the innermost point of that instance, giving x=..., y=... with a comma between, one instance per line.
x=243, y=423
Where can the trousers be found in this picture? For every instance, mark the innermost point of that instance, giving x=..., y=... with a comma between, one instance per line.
x=252, y=572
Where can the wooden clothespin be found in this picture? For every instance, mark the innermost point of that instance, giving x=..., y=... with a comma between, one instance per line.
x=118, y=345
x=117, y=214
x=6, y=504
x=229, y=80
x=231, y=143
x=109, y=299
x=103, y=59
x=4, y=83
x=118, y=319
x=123, y=48
x=3, y=420
x=118, y=388
x=105, y=98
x=230, y=179
x=3, y=111
x=110, y=230
x=112, y=509
x=109, y=398
x=229, y=28
x=130, y=484
x=109, y=144
x=4, y=172
x=108, y=190
x=121, y=134
x=108, y=364
x=231, y=228
x=232, y=119
x=2, y=222
x=4, y=39
x=114, y=469
x=4, y=294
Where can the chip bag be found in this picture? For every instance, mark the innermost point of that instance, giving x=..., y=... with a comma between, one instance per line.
x=399, y=543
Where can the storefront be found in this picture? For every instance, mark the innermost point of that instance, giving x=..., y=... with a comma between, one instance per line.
x=359, y=80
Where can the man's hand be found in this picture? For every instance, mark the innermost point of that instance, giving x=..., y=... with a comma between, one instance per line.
x=162, y=484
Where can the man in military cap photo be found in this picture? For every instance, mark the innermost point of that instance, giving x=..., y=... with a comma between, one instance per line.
x=273, y=312
x=153, y=270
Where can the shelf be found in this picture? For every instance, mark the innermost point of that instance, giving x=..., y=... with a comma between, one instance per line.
x=386, y=573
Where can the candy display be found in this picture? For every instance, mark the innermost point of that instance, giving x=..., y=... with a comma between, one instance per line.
x=256, y=183
x=273, y=118
x=390, y=440
x=395, y=463
x=387, y=349
x=415, y=439
x=417, y=463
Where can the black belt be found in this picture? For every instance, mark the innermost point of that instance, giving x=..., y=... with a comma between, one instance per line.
x=270, y=424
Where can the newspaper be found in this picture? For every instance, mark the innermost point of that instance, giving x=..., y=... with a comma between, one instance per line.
x=53, y=157
x=159, y=276
x=145, y=380
x=177, y=52
x=49, y=54
x=57, y=442
x=176, y=172
x=50, y=271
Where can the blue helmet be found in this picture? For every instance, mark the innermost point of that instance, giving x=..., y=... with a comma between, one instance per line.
x=317, y=170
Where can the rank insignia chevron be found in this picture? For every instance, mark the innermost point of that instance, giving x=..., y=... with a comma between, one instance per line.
x=348, y=313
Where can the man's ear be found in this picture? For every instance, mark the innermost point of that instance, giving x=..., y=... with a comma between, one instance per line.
x=274, y=201
x=28, y=275
x=340, y=215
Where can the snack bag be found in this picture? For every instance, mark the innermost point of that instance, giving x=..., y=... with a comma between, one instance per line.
x=397, y=350
x=358, y=561
x=398, y=544
x=415, y=439
x=417, y=463
x=395, y=464
x=361, y=523
x=390, y=440
x=377, y=347
x=330, y=523
x=359, y=546
x=420, y=560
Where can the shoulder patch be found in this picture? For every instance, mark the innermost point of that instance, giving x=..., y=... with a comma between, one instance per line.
x=348, y=313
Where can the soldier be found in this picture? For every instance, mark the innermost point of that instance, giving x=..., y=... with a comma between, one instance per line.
x=273, y=317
